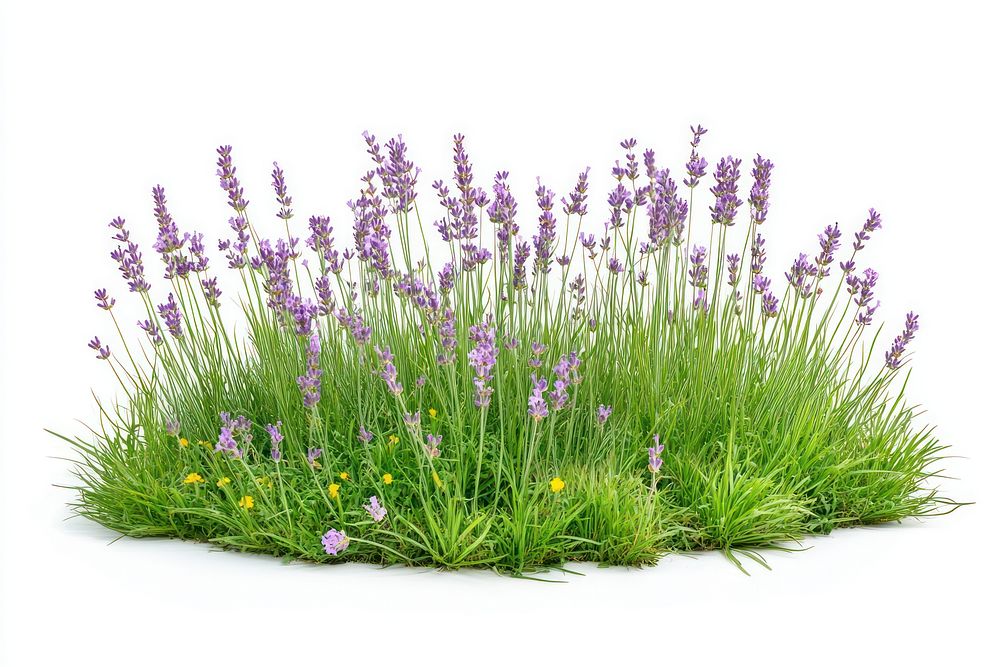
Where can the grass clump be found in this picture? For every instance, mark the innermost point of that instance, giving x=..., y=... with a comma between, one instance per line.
x=458, y=393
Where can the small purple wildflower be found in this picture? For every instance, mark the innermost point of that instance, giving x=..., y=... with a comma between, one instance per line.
x=274, y=430
x=313, y=455
x=334, y=541
x=432, y=446
x=759, y=191
x=894, y=356
x=171, y=314
x=103, y=352
x=727, y=173
x=578, y=197
x=227, y=179
x=309, y=384
x=281, y=193
x=103, y=300
x=697, y=166
x=873, y=222
x=364, y=435
x=654, y=454
x=603, y=413
x=375, y=509
x=537, y=408
x=482, y=358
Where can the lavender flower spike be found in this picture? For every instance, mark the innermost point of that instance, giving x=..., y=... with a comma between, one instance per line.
x=274, y=430
x=654, y=454
x=103, y=352
x=537, y=408
x=894, y=357
x=603, y=413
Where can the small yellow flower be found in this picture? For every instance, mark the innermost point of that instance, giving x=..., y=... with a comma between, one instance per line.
x=222, y=482
x=205, y=443
x=437, y=480
x=265, y=481
x=246, y=502
x=393, y=440
x=183, y=442
x=193, y=478
x=344, y=476
x=387, y=478
x=333, y=490
x=433, y=413
x=556, y=484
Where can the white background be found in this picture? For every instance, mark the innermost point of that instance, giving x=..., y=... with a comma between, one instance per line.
x=858, y=105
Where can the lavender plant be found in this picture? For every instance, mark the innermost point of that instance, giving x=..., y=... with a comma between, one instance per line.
x=442, y=387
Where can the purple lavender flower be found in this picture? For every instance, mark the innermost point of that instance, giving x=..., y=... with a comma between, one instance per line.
x=432, y=446
x=482, y=357
x=545, y=240
x=103, y=352
x=873, y=222
x=761, y=284
x=355, y=324
x=103, y=300
x=829, y=242
x=620, y=200
x=894, y=356
x=801, y=276
x=375, y=509
x=769, y=305
x=522, y=250
x=211, y=290
x=227, y=443
x=727, y=173
x=364, y=435
x=447, y=334
x=863, y=289
x=309, y=384
x=537, y=408
x=172, y=426
x=334, y=542
x=412, y=420
x=697, y=166
x=603, y=413
x=152, y=331
x=281, y=193
x=578, y=197
x=501, y=212
x=228, y=180
x=759, y=191
x=274, y=430
x=312, y=456
x=698, y=273
x=615, y=266
x=758, y=255
x=654, y=454
x=171, y=314
x=733, y=268
x=129, y=259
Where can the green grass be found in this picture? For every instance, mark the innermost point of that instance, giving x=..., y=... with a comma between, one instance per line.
x=774, y=427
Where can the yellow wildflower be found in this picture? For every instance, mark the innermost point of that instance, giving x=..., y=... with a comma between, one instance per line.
x=556, y=484
x=344, y=475
x=246, y=502
x=333, y=490
x=393, y=440
x=183, y=442
x=193, y=478
x=387, y=478
x=437, y=480
x=265, y=481
x=222, y=482
x=433, y=413
x=205, y=443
